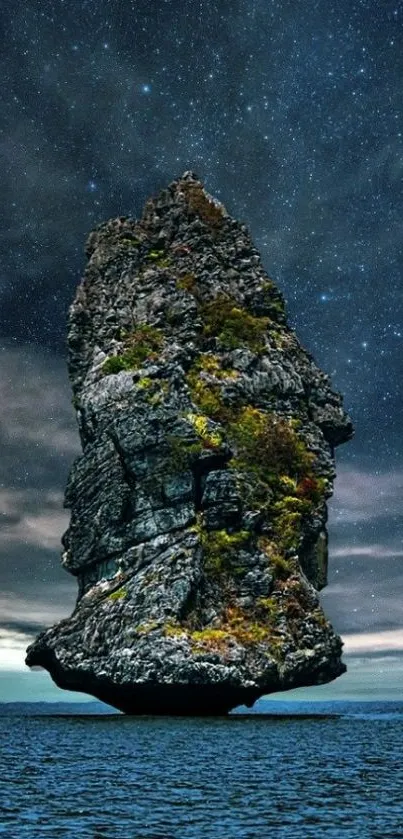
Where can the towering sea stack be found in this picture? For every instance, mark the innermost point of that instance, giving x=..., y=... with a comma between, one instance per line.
x=198, y=507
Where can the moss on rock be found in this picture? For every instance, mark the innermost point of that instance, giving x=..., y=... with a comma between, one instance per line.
x=199, y=203
x=232, y=325
x=143, y=344
x=118, y=593
x=220, y=547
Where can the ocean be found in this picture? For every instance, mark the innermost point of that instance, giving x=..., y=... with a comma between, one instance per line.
x=288, y=771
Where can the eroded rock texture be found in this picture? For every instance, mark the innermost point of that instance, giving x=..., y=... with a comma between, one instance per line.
x=198, y=507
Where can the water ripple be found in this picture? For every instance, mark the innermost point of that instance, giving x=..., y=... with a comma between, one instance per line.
x=121, y=778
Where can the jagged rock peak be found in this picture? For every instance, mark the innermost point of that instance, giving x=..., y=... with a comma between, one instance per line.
x=198, y=507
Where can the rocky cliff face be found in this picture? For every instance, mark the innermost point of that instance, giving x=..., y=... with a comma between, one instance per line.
x=198, y=507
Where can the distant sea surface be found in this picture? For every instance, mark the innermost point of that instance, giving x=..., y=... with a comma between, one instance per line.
x=291, y=771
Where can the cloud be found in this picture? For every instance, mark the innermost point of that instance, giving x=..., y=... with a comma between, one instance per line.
x=363, y=602
x=24, y=616
x=20, y=683
x=375, y=678
x=39, y=439
x=30, y=517
x=35, y=402
x=371, y=551
x=32, y=613
x=374, y=642
x=13, y=645
x=362, y=496
x=12, y=501
x=42, y=530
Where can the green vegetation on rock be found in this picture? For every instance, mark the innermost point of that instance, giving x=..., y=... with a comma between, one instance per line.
x=198, y=203
x=209, y=636
x=172, y=630
x=118, y=593
x=246, y=628
x=210, y=439
x=145, y=383
x=274, y=467
x=141, y=345
x=233, y=326
x=206, y=395
x=220, y=547
x=205, y=391
x=126, y=240
x=213, y=365
x=187, y=282
x=159, y=258
x=279, y=566
x=268, y=445
x=182, y=454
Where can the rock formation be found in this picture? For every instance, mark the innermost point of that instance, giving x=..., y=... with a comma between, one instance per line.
x=198, y=507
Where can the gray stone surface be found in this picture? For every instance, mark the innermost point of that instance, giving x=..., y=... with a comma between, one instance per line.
x=198, y=506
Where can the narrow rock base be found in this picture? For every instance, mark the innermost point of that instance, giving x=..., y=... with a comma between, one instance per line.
x=156, y=699
x=177, y=701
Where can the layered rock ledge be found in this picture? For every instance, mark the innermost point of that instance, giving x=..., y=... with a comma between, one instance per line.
x=198, y=506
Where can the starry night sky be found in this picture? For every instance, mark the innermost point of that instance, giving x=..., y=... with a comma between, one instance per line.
x=291, y=114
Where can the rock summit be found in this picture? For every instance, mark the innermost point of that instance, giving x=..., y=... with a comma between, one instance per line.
x=198, y=506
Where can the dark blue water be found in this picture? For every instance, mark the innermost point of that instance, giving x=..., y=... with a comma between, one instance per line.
x=281, y=777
